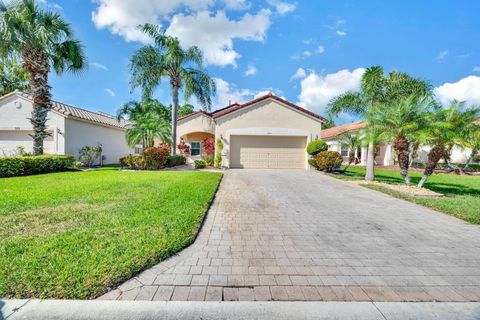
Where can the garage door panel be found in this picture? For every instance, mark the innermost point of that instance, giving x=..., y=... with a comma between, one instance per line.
x=275, y=152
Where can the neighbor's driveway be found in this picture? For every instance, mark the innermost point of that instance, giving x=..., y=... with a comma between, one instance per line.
x=296, y=235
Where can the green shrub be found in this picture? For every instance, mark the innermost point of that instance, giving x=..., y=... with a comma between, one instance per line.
x=155, y=157
x=176, y=160
x=209, y=160
x=328, y=160
x=88, y=155
x=316, y=146
x=218, y=155
x=200, y=164
x=28, y=165
x=132, y=162
x=313, y=163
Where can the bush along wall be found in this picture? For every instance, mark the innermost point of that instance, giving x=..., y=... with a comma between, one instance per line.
x=28, y=165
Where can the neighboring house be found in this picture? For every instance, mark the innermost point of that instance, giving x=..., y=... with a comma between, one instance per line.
x=70, y=129
x=268, y=132
x=384, y=153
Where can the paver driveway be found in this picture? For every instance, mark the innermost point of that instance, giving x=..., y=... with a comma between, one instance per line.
x=296, y=235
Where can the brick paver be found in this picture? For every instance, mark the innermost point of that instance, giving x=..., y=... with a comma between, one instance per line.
x=296, y=235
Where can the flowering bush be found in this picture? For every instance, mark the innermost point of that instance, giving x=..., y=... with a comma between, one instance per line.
x=155, y=158
x=328, y=160
x=208, y=146
x=183, y=148
x=164, y=145
x=132, y=162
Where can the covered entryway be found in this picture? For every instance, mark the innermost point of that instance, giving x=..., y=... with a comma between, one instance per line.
x=267, y=152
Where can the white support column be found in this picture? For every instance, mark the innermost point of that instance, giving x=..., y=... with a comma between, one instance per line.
x=364, y=156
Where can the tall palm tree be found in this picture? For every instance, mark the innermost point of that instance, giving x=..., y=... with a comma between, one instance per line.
x=148, y=121
x=352, y=141
x=182, y=67
x=376, y=89
x=44, y=40
x=446, y=128
x=399, y=123
x=470, y=138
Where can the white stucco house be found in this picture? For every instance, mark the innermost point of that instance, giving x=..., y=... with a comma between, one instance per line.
x=385, y=153
x=268, y=132
x=70, y=128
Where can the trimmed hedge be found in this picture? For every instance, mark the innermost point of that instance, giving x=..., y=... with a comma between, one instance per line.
x=28, y=165
x=155, y=157
x=132, y=162
x=316, y=146
x=176, y=160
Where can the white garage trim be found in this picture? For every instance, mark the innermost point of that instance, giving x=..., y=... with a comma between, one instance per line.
x=263, y=132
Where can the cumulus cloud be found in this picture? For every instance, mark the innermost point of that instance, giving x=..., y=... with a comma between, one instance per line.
x=299, y=74
x=466, y=89
x=110, y=92
x=190, y=20
x=476, y=69
x=282, y=7
x=341, y=33
x=317, y=90
x=99, y=66
x=214, y=34
x=228, y=93
x=251, y=71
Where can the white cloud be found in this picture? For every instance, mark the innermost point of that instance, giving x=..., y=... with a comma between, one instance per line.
x=466, y=89
x=263, y=93
x=341, y=33
x=318, y=90
x=476, y=69
x=110, y=92
x=338, y=27
x=99, y=66
x=442, y=55
x=214, y=34
x=307, y=53
x=251, y=71
x=299, y=74
x=190, y=20
x=282, y=7
x=320, y=50
x=51, y=5
x=228, y=93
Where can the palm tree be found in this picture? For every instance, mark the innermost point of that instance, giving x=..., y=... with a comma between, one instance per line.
x=470, y=138
x=399, y=123
x=182, y=67
x=352, y=141
x=148, y=120
x=376, y=89
x=43, y=39
x=446, y=128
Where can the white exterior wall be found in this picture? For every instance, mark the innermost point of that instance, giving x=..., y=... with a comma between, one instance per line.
x=15, y=127
x=79, y=134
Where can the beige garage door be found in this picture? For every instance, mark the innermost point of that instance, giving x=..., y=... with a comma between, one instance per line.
x=275, y=152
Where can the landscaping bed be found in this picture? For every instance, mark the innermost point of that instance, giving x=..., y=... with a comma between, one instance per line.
x=461, y=193
x=75, y=234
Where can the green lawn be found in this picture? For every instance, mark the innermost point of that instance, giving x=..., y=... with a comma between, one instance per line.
x=462, y=193
x=73, y=234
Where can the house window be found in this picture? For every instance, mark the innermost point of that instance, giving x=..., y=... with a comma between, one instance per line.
x=195, y=149
x=344, y=151
x=138, y=150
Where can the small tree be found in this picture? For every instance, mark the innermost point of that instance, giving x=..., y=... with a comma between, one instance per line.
x=88, y=155
x=208, y=146
x=183, y=148
x=218, y=155
x=352, y=141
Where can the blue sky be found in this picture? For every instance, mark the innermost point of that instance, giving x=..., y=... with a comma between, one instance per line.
x=304, y=51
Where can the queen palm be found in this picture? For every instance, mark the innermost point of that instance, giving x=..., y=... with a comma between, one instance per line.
x=399, y=123
x=148, y=122
x=376, y=89
x=43, y=40
x=182, y=67
x=352, y=141
x=12, y=75
x=446, y=128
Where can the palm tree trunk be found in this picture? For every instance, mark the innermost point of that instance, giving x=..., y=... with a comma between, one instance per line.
x=174, y=118
x=36, y=64
x=402, y=146
x=435, y=154
x=370, y=172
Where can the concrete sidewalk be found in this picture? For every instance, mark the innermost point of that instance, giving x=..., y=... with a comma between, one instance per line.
x=131, y=310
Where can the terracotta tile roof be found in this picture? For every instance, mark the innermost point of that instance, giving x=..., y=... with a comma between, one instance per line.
x=235, y=107
x=79, y=113
x=335, y=131
x=194, y=113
